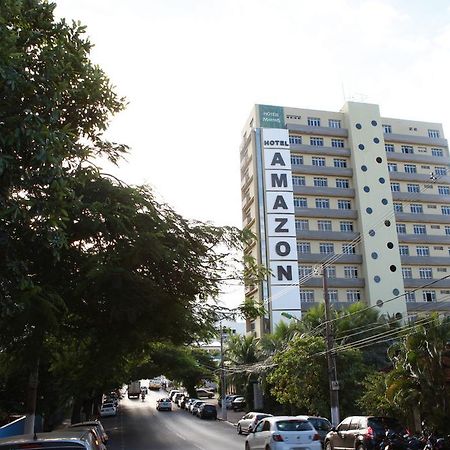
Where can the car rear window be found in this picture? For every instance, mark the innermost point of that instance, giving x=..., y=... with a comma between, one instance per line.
x=380, y=424
x=294, y=425
x=209, y=407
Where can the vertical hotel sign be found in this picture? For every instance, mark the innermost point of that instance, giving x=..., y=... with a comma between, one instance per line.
x=280, y=224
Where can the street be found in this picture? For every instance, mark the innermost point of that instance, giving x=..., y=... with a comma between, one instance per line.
x=139, y=426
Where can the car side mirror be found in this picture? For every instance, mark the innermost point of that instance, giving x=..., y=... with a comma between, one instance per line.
x=333, y=429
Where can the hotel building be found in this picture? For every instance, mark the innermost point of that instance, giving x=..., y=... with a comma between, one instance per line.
x=362, y=197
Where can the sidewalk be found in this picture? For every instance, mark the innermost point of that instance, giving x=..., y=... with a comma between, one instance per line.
x=232, y=416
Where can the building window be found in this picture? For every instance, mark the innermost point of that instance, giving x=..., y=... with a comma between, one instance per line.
x=348, y=249
x=342, y=183
x=331, y=271
x=440, y=171
x=413, y=187
x=296, y=159
x=326, y=248
x=398, y=207
x=406, y=273
x=395, y=187
x=433, y=134
x=344, y=204
x=437, y=152
x=353, y=295
x=404, y=250
x=392, y=167
x=423, y=250
x=410, y=296
x=387, y=129
x=339, y=162
x=303, y=247
x=316, y=141
x=300, y=202
x=295, y=139
x=337, y=143
x=425, y=273
x=333, y=295
x=322, y=203
x=318, y=161
x=420, y=229
x=389, y=148
x=447, y=230
x=304, y=271
x=313, y=121
x=346, y=226
x=445, y=210
x=407, y=149
x=410, y=168
x=350, y=272
x=444, y=190
x=298, y=181
x=416, y=208
x=334, y=123
x=429, y=296
x=306, y=296
x=401, y=228
x=324, y=225
x=301, y=225
x=320, y=181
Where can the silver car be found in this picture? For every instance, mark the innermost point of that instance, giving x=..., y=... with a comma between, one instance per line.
x=248, y=423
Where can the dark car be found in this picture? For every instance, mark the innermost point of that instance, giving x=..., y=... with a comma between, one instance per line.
x=361, y=432
x=321, y=424
x=207, y=411
x=238, y=404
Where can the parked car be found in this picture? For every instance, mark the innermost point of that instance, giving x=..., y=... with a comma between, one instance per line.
x=249, y=421
x=195, y=406
x=228, y=400
x=73, y=439
x=108, y=409
x=204, y=393
x=283, y=433
x=189, y=402
x=164, y=404
x=321, y=424
x=182, y=401
x=176, y=397
x=93, y=423
x=98, y=439
x=172, y=393
x=238, y=404
x=207, y=411
x=361, y=432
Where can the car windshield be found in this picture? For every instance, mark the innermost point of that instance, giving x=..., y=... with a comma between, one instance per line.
x=293, y=425
x=262, y=416
x=320, y=424
x=107, y=405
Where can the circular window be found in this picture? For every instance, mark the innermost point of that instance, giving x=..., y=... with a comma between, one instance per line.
x=398, y=316
x=387, y=223
x=374, y=123
x=396, y=292
x=376, y=140
x=366, y=189
x=380, y=303
x=376, y=278
x=393, y=268
x=379, y=160
x=374, y=255
x=361, y=146
x=358, y=126
x=369, y=210
x=372, y=233
x=384, y=201
x=364, y=168
x=381, y=180
x=390, y=245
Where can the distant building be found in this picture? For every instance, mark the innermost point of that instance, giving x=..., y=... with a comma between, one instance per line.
x=367, y=197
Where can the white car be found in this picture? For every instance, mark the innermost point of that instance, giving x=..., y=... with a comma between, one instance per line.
x=283, y=433
x=249, y=421
x=108, y=409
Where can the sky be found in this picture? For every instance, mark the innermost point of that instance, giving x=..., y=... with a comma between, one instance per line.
x=191, y=71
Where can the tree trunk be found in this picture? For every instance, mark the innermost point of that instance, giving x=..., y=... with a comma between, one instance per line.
x=30, y=408
x=76, y=410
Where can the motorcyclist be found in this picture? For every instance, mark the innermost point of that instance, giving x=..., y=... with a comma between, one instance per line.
x=142, y=396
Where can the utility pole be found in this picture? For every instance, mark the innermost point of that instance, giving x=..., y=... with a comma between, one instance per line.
x=331, y=356
x=222, y=374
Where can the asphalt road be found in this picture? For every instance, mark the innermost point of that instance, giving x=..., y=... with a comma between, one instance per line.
x=138, y=426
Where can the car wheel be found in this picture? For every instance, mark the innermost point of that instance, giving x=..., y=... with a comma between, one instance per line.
x=239, y=430
x=360, y=447
x=247, y=447
x=328, y=446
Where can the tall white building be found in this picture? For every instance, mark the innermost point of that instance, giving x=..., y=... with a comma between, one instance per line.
x=363, y=196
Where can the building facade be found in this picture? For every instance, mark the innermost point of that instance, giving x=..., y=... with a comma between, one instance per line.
x=350, y=196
